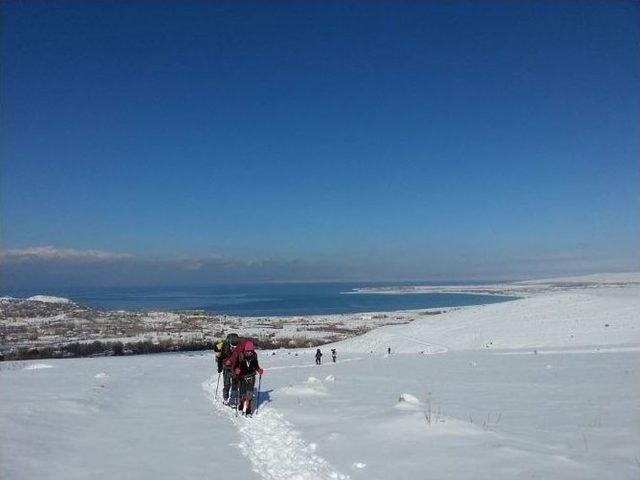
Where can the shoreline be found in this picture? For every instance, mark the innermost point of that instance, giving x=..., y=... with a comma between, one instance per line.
x=50, y=327
x=518, y=289
x=68, y=330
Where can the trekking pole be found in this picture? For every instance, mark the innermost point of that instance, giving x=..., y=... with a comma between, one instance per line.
x=258, y=396
x=237, y=395
x=217, y=385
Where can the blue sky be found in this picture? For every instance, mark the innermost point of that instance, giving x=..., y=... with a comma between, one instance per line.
x=201, y=142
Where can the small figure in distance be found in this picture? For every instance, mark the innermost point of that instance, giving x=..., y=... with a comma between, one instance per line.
x=333, y=355
x=388, y=350
x=318, y=357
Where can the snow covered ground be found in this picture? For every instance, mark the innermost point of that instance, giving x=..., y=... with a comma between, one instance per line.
x=588, y=317
x=526, y=288
x=542, y=387
x=48, y=299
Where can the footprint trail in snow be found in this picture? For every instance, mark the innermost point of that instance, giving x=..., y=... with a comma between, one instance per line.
x=274, y=447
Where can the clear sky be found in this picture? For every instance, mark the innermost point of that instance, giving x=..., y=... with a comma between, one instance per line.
x=158, y=142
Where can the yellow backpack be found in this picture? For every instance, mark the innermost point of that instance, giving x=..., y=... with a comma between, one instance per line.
x=217, y=347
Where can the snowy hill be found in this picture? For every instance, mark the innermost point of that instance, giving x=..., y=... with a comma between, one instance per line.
x=597, y=278
x=593, y=317
x=521, y=289
x=483, y=406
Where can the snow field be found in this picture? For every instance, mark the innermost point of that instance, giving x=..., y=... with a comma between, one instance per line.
x=494, y=420
x=492, y=417
x=601, y=317
x=542, y=387
x=142, y=417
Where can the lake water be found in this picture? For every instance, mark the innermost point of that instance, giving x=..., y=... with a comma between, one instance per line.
x=259, y=299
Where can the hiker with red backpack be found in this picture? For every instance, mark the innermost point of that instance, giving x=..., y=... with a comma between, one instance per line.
x=245, y=367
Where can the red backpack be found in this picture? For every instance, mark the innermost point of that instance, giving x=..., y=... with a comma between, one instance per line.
x=235, y=356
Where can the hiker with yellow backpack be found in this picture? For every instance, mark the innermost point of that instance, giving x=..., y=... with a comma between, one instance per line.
x=223, y=350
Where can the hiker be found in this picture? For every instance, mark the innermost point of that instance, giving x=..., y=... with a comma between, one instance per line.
x=245, y=367
x=318, y=357
x=333, y=355
x=217, y=349
x=388, y=350
x=228, y=347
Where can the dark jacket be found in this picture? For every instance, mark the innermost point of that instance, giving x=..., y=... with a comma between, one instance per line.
x=247, y=364
x=224, y=352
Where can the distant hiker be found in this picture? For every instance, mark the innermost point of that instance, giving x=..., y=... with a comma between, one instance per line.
x=245, y=367
x=318, y=357
x=388, y=350
x=334, y=355
x=224, y=365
